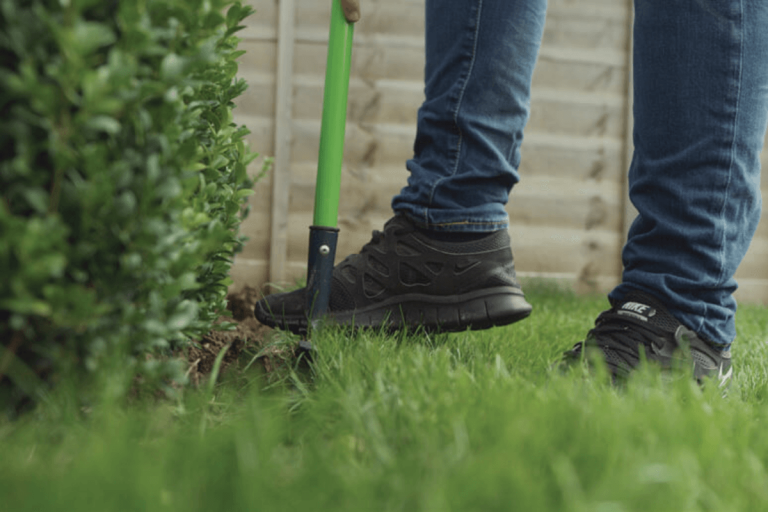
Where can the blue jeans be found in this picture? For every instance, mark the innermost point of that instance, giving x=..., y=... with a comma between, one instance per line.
x=700, y=107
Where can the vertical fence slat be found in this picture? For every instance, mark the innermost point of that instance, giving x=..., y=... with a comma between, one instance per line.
x=281, y=180
x=628, y=213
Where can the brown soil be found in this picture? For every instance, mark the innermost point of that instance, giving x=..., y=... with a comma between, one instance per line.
x=249, y=334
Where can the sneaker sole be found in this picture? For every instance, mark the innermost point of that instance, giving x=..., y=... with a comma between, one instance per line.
x=476, y=310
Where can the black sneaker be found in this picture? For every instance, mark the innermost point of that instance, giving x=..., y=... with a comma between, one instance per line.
x=642, y=321
x=403, y=278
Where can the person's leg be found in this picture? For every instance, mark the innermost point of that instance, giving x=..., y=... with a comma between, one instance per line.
x=444, y=261
x=480, y=56
x=701, y=105
x=701, y=108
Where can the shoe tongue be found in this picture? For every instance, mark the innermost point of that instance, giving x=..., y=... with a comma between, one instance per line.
x=644, y=308
x=399, y=224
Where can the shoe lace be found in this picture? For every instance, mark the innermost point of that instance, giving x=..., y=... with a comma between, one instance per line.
x=376, y=239
x=378, y=236
x=613, y=331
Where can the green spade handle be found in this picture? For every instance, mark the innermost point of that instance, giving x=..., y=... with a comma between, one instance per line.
x=333, y=125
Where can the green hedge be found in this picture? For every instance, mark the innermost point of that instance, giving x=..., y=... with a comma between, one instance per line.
x=123, y=182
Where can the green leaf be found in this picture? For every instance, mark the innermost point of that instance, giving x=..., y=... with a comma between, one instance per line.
x=90, y=36
x=21, y=375
x=245, y=193
x=172, y=66
x=105, y=124
x=234, y=15
x=219, y=161
x=37, y=199
x=26, y=306
x=213, y=20
x=183, y=316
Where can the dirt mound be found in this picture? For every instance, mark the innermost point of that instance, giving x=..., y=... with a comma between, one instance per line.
x=249, y=333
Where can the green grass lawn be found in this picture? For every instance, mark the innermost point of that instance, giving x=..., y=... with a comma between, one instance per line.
x=461, y=422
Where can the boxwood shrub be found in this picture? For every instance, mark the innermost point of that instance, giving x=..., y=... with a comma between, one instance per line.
x=123, y=183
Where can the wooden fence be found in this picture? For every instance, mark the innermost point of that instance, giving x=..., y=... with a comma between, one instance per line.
x=569, y=214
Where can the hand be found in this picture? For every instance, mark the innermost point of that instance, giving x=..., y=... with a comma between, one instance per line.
x=351, y=9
